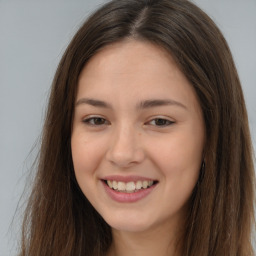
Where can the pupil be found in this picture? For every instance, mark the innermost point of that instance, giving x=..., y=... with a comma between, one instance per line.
x=160, y=122
x=99, y=120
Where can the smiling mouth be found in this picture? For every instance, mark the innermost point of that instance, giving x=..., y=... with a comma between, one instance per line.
x=131, y=186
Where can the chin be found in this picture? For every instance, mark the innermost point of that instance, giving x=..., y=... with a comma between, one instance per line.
x=129, y=227
x=129, y=223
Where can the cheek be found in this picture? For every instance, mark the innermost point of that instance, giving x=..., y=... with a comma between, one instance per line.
x=86, y=155
x=178, y=153
x=179, y=157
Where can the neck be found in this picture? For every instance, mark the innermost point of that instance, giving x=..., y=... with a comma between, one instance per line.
x=158, y=241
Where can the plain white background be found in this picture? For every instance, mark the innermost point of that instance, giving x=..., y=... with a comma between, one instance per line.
x=33, y=36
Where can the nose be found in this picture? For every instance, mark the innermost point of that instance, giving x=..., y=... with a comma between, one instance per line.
x=125, y=149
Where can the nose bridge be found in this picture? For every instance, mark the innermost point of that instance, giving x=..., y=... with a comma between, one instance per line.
x=125, y=147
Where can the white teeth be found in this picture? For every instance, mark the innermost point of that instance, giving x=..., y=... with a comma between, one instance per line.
x=130, y=186
x=114, y=184
x=110, y=183
x=121, y=186
x=145, y=184
x=150, y=183
x=139, y=184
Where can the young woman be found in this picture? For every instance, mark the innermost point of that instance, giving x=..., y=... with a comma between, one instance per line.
x=146, y=148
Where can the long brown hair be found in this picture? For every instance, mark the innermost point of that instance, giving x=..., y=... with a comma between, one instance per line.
x=59, y=220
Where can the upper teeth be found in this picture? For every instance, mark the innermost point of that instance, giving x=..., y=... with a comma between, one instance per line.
x=130, y=186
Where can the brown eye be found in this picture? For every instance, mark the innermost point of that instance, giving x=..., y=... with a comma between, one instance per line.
x=160, y=122
x=96, y=121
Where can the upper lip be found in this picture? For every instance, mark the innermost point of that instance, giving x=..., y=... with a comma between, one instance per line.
x=127, y=178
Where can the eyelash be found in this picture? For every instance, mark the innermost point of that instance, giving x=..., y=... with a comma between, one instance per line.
x=166, y=122
x=92, y=121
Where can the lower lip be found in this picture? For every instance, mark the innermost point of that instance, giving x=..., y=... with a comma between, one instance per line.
x=127, y=197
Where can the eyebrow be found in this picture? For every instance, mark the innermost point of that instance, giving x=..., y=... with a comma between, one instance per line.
x=159, y=103
x=93, y=102
x=142, y=105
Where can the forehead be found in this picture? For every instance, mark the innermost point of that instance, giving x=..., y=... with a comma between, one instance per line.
x=125, y=55
x=134, y=69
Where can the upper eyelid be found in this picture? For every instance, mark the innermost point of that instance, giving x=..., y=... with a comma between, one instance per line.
x=161, y=117
x=171, y=122
x=93, y=116
x=88, y=118
x=149, y=119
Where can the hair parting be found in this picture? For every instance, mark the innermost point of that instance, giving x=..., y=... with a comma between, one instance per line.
x=59, y=220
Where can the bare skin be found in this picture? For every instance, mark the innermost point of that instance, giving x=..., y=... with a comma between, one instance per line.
x=160, y=241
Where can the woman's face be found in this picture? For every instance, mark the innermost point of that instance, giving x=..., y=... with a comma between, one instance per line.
x=138, y=136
